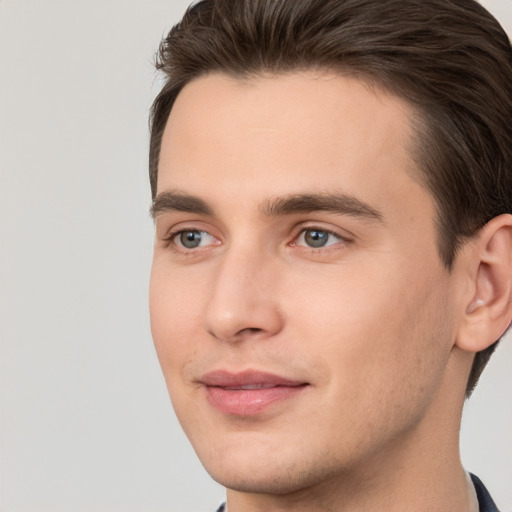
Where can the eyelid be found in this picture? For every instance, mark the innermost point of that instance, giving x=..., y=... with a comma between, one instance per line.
x=172, y=238
x=170, y=235
x=332, y=239
x=342, y=234
x=168, y=238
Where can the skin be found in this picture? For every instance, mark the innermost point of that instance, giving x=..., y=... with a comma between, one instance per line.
x=370, y=320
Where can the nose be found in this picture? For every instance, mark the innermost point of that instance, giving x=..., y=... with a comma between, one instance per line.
x=244, y=302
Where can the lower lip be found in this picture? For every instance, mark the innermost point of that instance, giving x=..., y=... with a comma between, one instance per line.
x=249, y=402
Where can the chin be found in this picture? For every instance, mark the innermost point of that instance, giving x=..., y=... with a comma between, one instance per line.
x=276, y=473
x=279, y=482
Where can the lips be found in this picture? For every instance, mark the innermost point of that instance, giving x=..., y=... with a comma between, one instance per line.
x=248, y=393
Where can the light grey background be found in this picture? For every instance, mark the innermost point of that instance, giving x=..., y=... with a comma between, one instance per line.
x=86, y=424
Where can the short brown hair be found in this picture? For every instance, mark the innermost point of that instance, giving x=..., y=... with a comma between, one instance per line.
x=450, y=59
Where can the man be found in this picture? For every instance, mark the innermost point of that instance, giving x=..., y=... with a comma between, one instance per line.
x=332, y=191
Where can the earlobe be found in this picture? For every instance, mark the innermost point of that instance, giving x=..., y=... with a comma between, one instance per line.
x=488, y=311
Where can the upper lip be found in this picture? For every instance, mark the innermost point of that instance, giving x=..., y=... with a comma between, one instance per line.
x=248, y=379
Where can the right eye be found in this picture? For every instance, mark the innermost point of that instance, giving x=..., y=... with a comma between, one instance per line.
x=192, y=239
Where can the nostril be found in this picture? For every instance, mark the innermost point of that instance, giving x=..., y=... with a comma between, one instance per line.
x=232, y=317
x=245, y=333
x=250, y=330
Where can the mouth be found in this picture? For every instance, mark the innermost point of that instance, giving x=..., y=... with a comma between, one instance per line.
x=248, y=393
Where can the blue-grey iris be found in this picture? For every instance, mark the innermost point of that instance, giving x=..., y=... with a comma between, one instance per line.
x=315, y=238
x=190, y=239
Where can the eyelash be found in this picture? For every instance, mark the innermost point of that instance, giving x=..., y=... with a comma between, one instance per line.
x=171, y=243
x=301, y=233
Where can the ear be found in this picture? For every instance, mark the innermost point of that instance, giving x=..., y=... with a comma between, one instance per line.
x=488, y=303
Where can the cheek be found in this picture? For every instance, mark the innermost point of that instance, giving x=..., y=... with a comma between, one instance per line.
x=379, y=336
x=174, y=318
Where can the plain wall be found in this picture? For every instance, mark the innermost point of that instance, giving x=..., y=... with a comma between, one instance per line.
x=86, y=424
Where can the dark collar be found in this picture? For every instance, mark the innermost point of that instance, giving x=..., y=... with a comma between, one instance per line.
x=484, y=498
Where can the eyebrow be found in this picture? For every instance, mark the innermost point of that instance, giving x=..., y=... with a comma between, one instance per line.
x=339, y=203
x=178, y=202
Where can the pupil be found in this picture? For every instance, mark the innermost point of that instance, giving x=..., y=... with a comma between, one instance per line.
x=190, y=239
x=315, y=238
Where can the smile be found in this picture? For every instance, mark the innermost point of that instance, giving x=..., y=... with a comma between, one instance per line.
x=249, y=386
x=248, y=393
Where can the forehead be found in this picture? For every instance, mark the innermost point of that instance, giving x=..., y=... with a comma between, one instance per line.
x=303, y=105
x=299, y=132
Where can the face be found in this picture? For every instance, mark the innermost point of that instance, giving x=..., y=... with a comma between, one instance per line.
x=299, y=308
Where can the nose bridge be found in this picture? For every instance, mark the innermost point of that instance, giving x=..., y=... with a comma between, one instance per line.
x=243, y=301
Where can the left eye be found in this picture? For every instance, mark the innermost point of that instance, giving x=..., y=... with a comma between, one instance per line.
x=191, y=239
x=316, y=238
